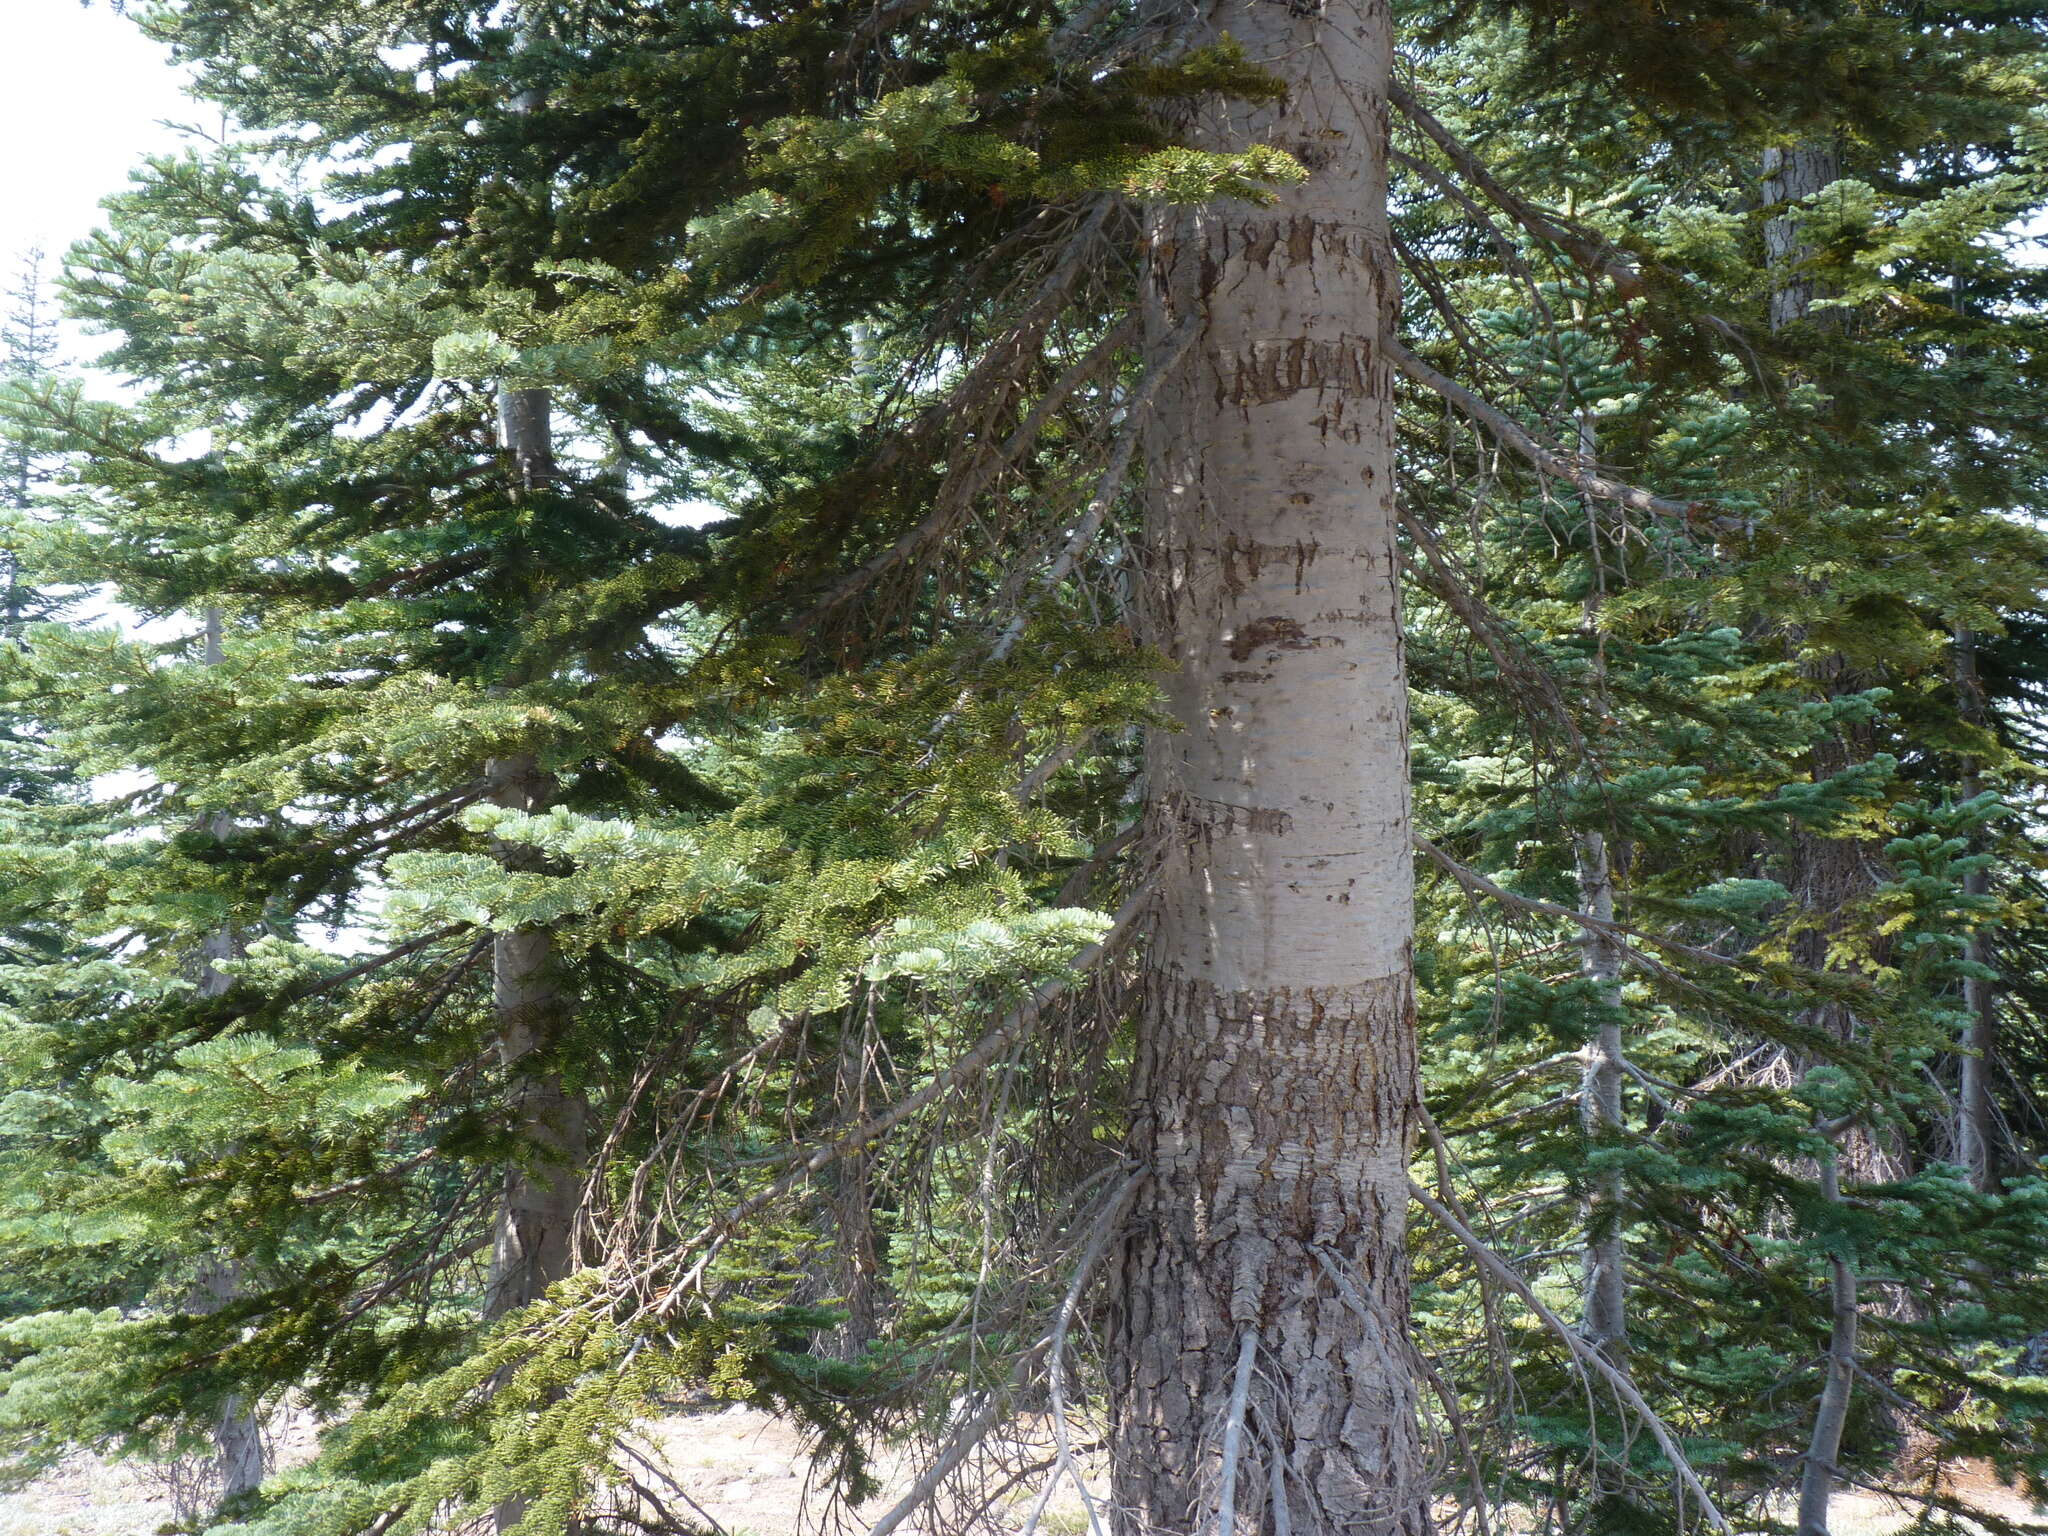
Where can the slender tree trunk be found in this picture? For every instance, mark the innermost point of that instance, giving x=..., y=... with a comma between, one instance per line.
x=237, y=1436
x=534, y=1244
x=238, y=1455
x=1264, y=1293
x=537, y=1212
x=1976, y=1147
x=1817, y=1479
x=1605, y=1319
x=1830, y=874
x=1604, y=1312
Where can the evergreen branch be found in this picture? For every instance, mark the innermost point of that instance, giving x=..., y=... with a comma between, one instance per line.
x=877, y=23
x=1112, y=477
x=1485, y=624
x=997, y=365
x=984, y=1053
x=1591, y=252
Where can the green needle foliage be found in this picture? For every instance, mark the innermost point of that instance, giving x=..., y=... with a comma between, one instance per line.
x=820, y=629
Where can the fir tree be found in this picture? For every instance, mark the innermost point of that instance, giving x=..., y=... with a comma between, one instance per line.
x=976, y=869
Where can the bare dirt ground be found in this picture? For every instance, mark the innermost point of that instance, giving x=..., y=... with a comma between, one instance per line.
x=745, y=1472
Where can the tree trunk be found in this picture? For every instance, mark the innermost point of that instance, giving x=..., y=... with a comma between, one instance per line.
x=238, y=1456
x=1264, y=1293
x=237, y=1436
x=1829, y=875
x=534, y=1244
x=1976, y=1147
x=537, y=1215
x=1975, y=1141
x=1789, y=175
x=1817, y=1479
x=1605, y=1319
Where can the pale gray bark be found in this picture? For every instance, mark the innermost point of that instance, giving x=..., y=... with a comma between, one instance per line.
x=1976, y=1143
x=1817, y=1478
x=1605, y=1280
x=1604, y=1276
x=1275, y=1099
x=536, y=1217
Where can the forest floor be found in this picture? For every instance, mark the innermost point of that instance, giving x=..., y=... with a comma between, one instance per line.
x=743, y=1470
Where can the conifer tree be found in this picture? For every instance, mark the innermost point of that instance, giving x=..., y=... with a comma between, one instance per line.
x=985, y=852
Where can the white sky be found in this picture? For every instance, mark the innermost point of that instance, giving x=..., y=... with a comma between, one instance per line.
x=82, y=99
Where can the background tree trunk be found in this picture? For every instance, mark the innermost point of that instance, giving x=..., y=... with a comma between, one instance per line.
x=238, y=1456
x=534, y=1244
x=1789, y=175
x=1264, y=1300
x=1817, y=1478
x=1605, y=1280
x=1976, y=1144
x=537, y=1212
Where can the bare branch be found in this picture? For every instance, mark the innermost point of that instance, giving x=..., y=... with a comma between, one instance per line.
x=1472, y=880
x=1587, y=1355
x=1512, y=434
x=1582, y=245
x=1233, y=1434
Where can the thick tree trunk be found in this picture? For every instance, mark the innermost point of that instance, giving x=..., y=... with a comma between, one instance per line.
x=534, y=1243
x=1259, y=1356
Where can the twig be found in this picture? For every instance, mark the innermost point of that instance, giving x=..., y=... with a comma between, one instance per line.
x=1056, y=1368
x=1112, y=479
x=976, y=1429
x=1473, y=880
